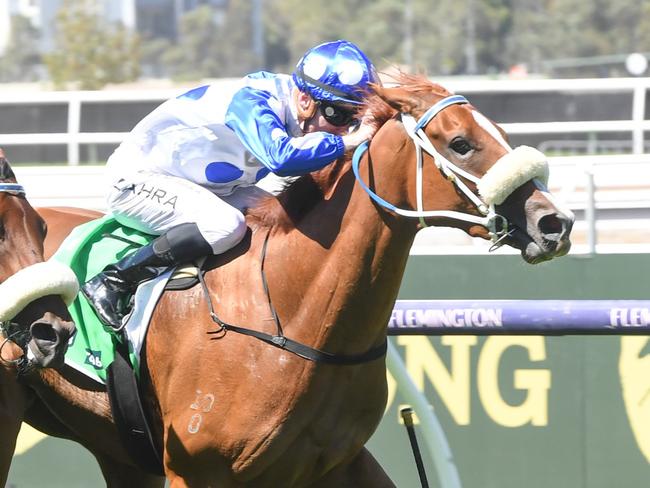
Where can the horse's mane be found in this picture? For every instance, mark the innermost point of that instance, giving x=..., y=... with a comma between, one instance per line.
x=285, y=210
x=419, y=84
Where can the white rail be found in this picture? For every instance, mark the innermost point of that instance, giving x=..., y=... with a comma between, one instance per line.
x=75, y=135
x=612, y=191
x=613, y=186
x=637, y=87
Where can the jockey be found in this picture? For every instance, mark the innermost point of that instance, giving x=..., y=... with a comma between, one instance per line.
x=188, y=170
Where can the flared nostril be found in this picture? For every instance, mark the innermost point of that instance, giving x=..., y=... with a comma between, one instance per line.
x=43, y=331
x=552, y=227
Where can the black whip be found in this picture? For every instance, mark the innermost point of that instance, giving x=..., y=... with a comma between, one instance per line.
x=407, y=416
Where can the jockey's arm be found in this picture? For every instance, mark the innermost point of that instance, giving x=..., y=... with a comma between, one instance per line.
x=251, y=116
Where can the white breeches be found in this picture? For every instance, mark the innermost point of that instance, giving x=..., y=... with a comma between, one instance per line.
x=154, y=203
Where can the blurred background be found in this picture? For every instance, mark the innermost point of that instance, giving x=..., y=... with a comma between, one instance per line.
x=565, y=76
x=88, y=44
x=569, y=77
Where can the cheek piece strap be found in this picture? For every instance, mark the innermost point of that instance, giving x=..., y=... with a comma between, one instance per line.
x=506, y=175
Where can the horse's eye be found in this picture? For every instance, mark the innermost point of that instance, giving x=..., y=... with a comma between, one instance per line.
x=2, y=231
x=460, y=145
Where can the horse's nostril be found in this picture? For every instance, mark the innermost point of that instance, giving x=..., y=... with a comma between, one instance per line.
x=43, y=331
x=552, y=226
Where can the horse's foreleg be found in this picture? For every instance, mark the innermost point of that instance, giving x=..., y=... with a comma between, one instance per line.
x=118, y=475
x=363, y=472
x=13, y=402
x=10, y=429
x=81, y=407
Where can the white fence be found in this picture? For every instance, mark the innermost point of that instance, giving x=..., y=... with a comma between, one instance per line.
x=636, y=87
x=611, y=193
x=75, y=136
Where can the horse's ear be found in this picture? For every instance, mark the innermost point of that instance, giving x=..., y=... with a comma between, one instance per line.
x=6, y=173
x=400, y=99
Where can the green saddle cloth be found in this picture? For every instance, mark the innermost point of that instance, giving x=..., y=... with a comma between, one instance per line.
x=88, y=250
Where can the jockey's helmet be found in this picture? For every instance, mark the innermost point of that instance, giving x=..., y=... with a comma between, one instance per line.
x=336, y=71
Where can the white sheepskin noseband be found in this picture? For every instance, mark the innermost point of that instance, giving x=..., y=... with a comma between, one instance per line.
x=510, y=172
x=36, y=281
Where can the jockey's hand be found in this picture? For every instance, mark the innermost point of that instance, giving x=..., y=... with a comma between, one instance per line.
x=364, y=132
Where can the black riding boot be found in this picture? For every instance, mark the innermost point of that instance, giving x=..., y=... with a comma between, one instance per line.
x=110, y=291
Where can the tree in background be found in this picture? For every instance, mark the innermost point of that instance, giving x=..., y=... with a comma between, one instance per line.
x=439, y=45
x=447, y=37
x=22, y=60
x=194, y=55
x=582, y=33
x=293, y=26
x=459, y=37
x=642, y=38
x=628, y=26
x=439, y=40
x=89, y=54
x=303, y=25
x=152, y=55
x=212, y=43
x=234, y=45
x=378, y=28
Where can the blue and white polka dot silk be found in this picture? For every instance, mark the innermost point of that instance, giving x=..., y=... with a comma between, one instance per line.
x=223, y=141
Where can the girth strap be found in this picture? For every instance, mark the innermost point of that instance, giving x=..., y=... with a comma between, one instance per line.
x=280, y=341
x=306, y=352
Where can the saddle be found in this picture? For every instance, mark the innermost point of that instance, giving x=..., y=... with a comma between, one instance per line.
x=88, y=250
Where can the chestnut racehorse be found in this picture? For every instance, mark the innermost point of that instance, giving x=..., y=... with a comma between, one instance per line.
x=42, y=319
x=318, y=273
x=40, y=324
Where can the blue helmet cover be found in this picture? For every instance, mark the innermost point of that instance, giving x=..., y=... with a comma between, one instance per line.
x=336, y=71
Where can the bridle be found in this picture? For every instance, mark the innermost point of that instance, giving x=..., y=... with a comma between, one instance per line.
x=496, y=224
x=13, y=188
x=11, y=330
x=43, y=278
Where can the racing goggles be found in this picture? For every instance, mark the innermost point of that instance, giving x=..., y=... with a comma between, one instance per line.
x=337, y=115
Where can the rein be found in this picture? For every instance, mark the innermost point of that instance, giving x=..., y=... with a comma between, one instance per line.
x=14, y=332
x=496, y=224
x=281, y=341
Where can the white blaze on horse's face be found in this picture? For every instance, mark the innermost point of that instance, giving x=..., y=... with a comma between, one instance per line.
x=559, y=205
x=491, y=129
x=540, y=183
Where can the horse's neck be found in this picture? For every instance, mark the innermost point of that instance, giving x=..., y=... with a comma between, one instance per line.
x=347, y=275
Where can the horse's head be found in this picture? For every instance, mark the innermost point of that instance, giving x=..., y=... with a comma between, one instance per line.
x=32, y=293
x=463, y=173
